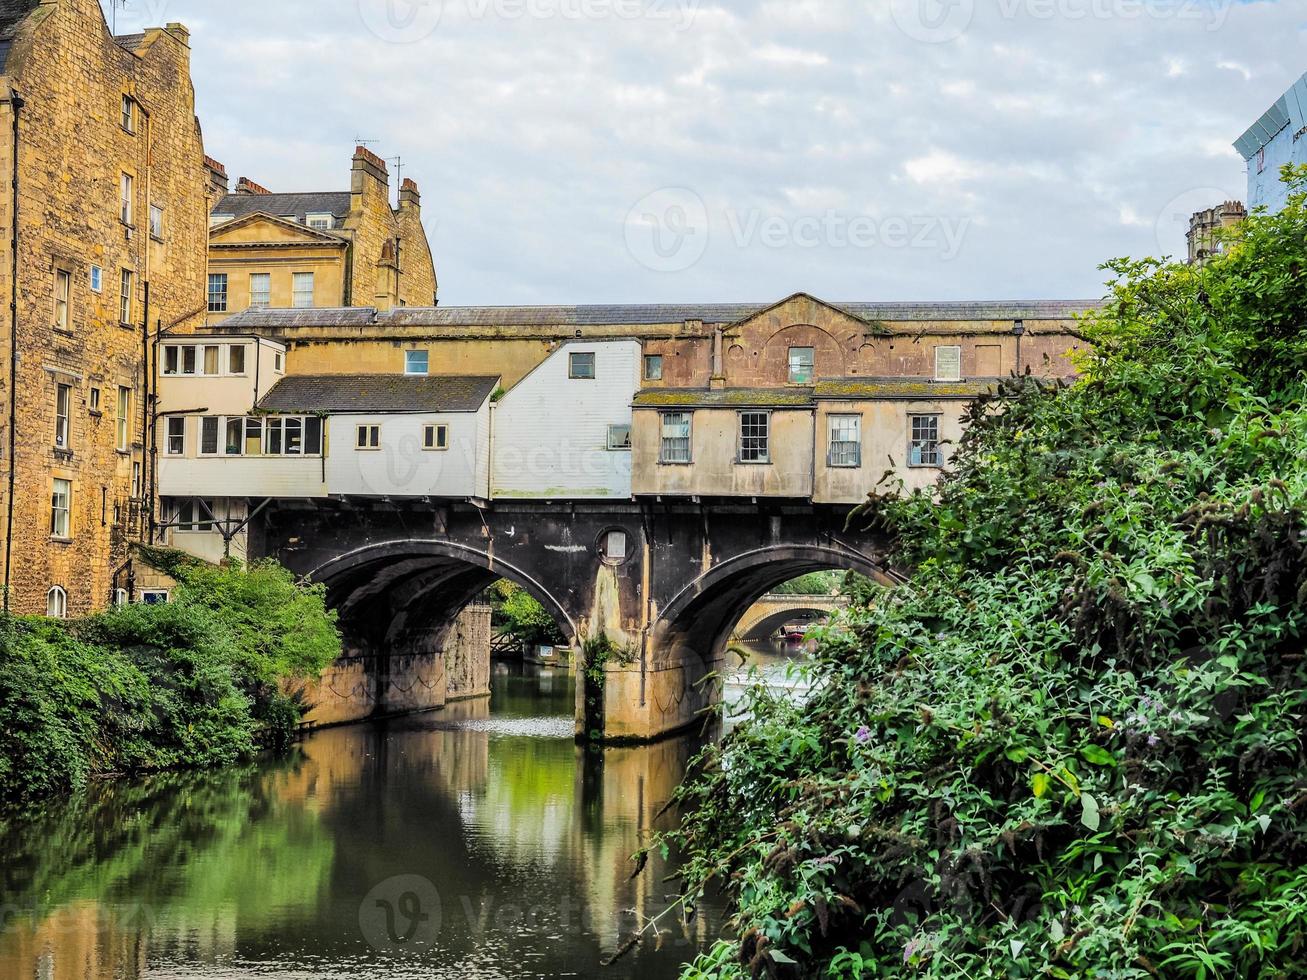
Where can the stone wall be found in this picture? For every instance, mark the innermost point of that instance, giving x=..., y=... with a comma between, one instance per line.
x=467, y=654
x=73, y=148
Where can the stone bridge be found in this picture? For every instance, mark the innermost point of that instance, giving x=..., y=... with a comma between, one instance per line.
x=649, y=590
x=773, y=611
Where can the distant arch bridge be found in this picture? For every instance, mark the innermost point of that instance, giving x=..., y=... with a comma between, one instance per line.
x=776, y=610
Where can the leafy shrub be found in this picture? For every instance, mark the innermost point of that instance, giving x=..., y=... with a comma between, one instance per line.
x=1073, y=744
x=195, y=682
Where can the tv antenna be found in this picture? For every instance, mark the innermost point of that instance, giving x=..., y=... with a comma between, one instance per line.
x=113, y=13
x=360, y=141
x=399, y=167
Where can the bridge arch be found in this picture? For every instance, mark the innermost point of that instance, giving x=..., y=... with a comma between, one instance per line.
x=390, y=590
x=702, y=616
x=763, y=619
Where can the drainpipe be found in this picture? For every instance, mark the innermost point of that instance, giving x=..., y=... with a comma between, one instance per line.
x=15, y=103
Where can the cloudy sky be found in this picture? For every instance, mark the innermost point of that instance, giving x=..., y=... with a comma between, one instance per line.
x=585, y=151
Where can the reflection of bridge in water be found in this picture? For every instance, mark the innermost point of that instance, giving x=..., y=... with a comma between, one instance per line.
x=774, y=611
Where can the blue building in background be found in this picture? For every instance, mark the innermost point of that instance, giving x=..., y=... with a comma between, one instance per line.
x=1279, y=137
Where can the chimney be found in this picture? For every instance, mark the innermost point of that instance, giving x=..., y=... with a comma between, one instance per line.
x=180, y=32
x=217, y=177
x=409, y=195
x=368, y=164
x=247, y=186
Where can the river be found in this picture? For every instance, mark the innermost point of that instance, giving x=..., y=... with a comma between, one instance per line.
x=478, y=842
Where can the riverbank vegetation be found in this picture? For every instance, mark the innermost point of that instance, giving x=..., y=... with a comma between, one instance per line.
x=1073, y=744
x=203, y=680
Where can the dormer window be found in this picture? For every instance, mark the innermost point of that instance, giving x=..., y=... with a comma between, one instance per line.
x=322, y=222
x=220, y=219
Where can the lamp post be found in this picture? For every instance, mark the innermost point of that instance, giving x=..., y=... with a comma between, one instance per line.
x=1019, y=331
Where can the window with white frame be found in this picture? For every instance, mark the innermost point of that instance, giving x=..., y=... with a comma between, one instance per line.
x=120, y=598
x=233, y=443
x=124, y=418
x=286, y=435
x=302, y=290
x=615, y=546
x=417, y=361
x=93, y=402
x=220, y=219
x=63, y=399
x=368, y=437
x=206, y=360
x=127, y=198
x=676, y=431
x=192, y=515
x=138, y=484
x=63, y=298
x=209, y=428
x=923, y=445
x=61, y=501
x=260, y=289
x=217, y=292
x=278, y=362
x=948, y=363
x=212, y=362
x=154, y=597
x=435, y=438
x=581, y=366
x=755, y=437
x=127, y=289
x=803, y=362
x=845, y=441
x=176, y=438
x=619, y=438
x=156, y=222
x=236, y=359
x=97, y=279
x=129, y=114
x=56, y=603
x=322, y=222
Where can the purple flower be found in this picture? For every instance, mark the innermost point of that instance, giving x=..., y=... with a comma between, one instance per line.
x=863, y=735
x=909, y=950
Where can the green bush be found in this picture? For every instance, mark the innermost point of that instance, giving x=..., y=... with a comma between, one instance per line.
x=191, y=683
x=1073, y=744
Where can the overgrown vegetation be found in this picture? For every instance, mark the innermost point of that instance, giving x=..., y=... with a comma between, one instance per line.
x=200, y=681
x=515, y=612
x=1073, y=745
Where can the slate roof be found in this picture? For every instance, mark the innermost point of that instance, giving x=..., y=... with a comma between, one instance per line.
x=12, y=11
x=724, y=398
x=381, y=393
x=129, y=41
x=282, y=205
x=645, y=314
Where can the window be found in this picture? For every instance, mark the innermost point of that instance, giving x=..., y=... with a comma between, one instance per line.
x=127, y=194
x=138, y=486
x=218, y=292
x=619, y=438
x=369, y=437
x=948, y=363
x=56, y=603
x=260, y=289
x=63, y=291
x=120, y=598
x=189, y=515
x=653, y=367
x=127, y=286
x=209, y=435
x=219, y=219
x=176, y=441
x=802, y=361
x=676, y=427
x=283, y=435
x=302, y=291
x=845, y=440
x=615, y=546
x=416, y=361
x=234, y=443
x=253, y=437
x=129, y=114
x=124, y=418
x=189, y=363
x=154, y=597
x=293, y=432
x=94, y=401
x=236, y=359
x=755, y=429
x=63, y=396
x=923, y=450
x=97, y=279
x=212, y=357
x=156, y=222
x=435, y=437
x=581, y=366
x=60, y=508
x=320, y=221
x=278, y=362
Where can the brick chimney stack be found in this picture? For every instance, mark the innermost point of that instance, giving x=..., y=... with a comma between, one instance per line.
x=217, y=177
x=247, y=186
x=409, y=195
x=367, y=162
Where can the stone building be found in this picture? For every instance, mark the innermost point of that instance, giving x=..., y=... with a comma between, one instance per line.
x=333, y=249
x=1205, y=226
x=101, y=141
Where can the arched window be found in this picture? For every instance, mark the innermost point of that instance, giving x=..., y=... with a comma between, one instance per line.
x=56, y=603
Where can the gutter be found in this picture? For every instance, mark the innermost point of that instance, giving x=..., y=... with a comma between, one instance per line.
x=15, y=103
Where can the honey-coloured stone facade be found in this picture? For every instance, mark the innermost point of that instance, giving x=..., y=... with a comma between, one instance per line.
x=111, y=232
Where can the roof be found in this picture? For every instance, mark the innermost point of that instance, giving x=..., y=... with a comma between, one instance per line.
x=382, y=393
x=12, y=11
x=724, y=398
x=1289, y=110
x=902, y=388
x=606, y=315
x=335, y=203
x=129, y=41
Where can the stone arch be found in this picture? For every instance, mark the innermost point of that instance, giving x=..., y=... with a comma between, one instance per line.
x=830, y=354
x=700, y=619
x=763, y=626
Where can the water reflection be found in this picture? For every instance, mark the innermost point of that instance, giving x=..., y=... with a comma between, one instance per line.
x=475, y=842
x=776, y=664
